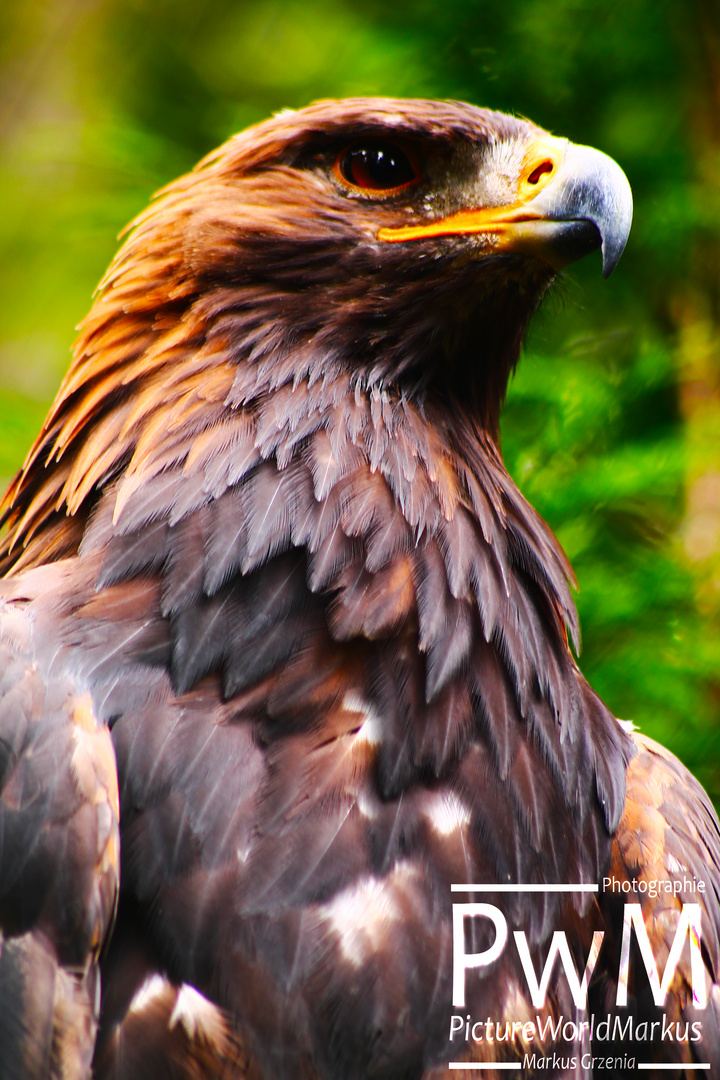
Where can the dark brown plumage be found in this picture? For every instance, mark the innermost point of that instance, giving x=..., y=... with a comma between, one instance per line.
x=266, y=538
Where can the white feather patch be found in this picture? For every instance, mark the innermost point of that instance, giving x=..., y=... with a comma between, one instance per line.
x=153, y=988
x=367, y=806
x=198, y=1016
x=445, y=812
x=363, y=915
x=370, y=730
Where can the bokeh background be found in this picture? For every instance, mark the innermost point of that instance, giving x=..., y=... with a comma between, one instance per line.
x=612, y=427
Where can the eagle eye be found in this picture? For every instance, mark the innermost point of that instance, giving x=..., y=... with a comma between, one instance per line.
x=376, y=167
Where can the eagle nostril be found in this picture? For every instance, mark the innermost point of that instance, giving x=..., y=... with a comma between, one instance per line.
x=540, y=170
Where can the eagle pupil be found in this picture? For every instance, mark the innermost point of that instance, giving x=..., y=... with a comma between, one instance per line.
x=377, y=167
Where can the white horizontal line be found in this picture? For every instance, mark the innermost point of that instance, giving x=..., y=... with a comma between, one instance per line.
x=467, y=1065
x=485, y=1065
x=670, y=1065
x=524, y=888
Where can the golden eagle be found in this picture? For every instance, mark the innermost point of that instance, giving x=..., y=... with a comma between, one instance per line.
x=285, y=651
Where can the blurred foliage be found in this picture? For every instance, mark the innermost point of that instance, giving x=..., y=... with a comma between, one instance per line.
x=613, y=421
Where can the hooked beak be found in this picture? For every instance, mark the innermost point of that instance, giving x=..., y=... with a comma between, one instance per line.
x=571, y=200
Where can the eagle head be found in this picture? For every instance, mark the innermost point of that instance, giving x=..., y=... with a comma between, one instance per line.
x=372, y=242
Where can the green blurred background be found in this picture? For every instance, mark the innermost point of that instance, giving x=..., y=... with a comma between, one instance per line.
x=613, y=422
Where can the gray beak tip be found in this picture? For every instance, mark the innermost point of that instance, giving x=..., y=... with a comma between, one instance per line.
x=601, y=194
x=617, y=221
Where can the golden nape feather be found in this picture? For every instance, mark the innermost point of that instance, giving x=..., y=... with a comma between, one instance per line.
x=268, y=580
